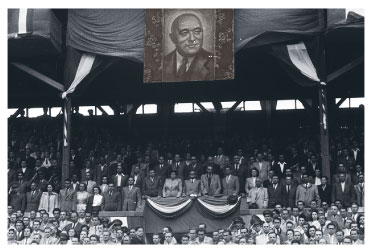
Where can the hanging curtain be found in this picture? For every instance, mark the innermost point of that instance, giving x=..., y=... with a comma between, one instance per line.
x=300, y=61
x=298, y=55
x=84, y=68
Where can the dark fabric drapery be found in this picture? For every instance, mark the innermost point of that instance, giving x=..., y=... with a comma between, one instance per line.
x=193, y=215
x=170, y=202
x=110, y=32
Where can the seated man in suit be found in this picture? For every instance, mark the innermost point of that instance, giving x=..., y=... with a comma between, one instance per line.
x=258, y=195
x=189, y=61
x=210, y=183
x=230, y=183
x=76, y=225
x=131, y=196
x=152, y=185
x=330, y=237
x=192, y=185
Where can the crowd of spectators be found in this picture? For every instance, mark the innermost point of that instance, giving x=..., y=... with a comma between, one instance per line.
x=110, y=174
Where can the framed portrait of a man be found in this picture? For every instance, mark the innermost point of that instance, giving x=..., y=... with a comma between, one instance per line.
x=183, y=45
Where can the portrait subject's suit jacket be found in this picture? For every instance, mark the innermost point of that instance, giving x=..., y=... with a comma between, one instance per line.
x=201, y=68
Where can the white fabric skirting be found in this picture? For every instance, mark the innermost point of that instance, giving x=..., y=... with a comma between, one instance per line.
x=168, y=209
x=218, y=209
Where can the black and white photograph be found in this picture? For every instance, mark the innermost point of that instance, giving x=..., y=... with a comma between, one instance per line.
x=185, y=45
x=142, y=126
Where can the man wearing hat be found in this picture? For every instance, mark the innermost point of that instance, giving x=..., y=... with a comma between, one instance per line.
x=63, y=238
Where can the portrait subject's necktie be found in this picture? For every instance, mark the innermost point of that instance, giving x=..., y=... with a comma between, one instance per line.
x=182, y=70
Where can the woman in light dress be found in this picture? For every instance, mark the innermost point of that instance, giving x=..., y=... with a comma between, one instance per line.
x=172, y=186
x=82, y=196
x=49, y=200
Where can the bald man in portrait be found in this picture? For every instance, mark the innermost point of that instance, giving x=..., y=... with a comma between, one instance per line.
x=189, y=61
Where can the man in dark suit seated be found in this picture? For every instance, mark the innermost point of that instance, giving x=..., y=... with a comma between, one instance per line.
x=75, y=224
x=152, y=186
x=189, y=61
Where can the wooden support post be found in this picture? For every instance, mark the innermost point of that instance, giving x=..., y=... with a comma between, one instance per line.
x=165, y=111
x=324, y=132
x=345, y=69
x=102, y=110
x=340, y=102
x=16, y=113
x=39, y=76
x=236, y=104
x=66, y=138
x=218, y=106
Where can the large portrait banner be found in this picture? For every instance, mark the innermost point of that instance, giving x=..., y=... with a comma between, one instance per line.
x=184, y=45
